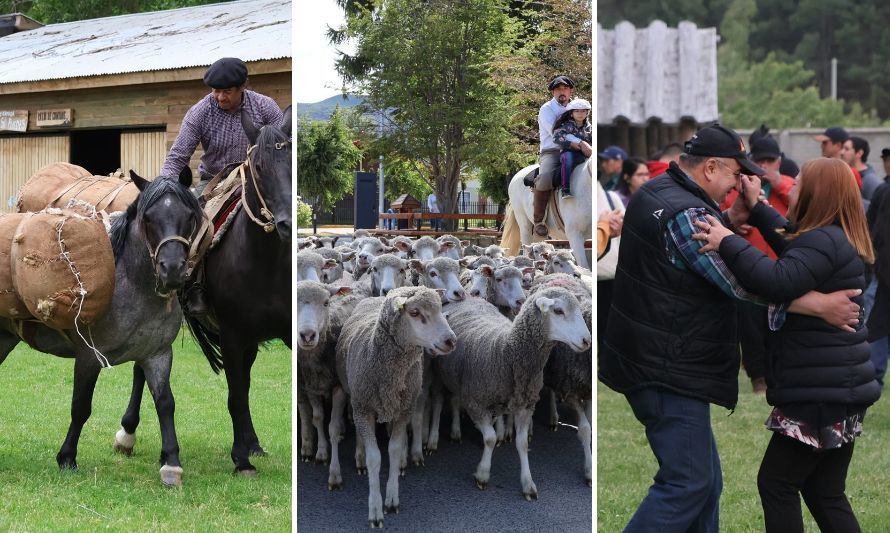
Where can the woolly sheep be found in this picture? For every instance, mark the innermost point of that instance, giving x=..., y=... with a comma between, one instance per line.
x=402, y=246
x=310, y=265
x=522, y=262
x=379, y=357
x=450, y=246
x=536, y=250
x=569, y=375
x=333, y=273
x=496, y=252
x=425, y=248
x=473, y=249
x=316, y=374
x=368, y=249
x=497, y=367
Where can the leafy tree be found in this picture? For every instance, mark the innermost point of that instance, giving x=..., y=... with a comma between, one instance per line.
x=426, y=69
x=326, y=159
x=56, y=11
x=304, y=214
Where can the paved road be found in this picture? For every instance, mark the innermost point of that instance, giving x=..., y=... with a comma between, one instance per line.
x=442, y=496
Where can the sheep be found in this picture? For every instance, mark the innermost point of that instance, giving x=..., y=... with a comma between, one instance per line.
x=368, y=248
x=305, y=242
x=316, y=375
x=497, y=367
x=402, y=246
x=496, y=252
x=327, y=242
x=310, y=265
x=451, y=246
x=379, y=356
x=333, y=273
x=425, y=248
x=522, y=262
x=473, y=249
x=348, y=264
x=535, y=250
x=569, y=375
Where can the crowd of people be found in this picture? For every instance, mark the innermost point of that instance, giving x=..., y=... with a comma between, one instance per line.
x=719, y=254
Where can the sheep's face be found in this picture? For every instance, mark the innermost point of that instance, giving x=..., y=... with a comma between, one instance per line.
x=441, y=273
x=425, y=248
x=309, y=266
x=449, y=248
x=508, y=288
x=370, y=248
x=387, y=273
x=494, y=252
x=402, y=247
x=426, y=326
x=528, y=276
x=561, y=263
x=313, y=300
x=563, y=319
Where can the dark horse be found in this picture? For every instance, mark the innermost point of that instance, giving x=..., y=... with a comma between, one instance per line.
x=248, y=282
x=150, y=242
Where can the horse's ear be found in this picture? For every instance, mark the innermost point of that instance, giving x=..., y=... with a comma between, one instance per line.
x=185, y=176
x=138, y=180
x=286, y=121
x=250, y=128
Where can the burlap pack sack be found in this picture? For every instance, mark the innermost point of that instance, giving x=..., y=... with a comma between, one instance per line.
x=63, y=267
x=11, y=306
x=58, y=183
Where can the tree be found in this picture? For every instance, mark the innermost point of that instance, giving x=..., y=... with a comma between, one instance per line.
x=426, y=68
x=326, y=160
x=57, y=11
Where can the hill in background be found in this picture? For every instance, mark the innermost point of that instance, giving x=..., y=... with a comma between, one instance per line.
x=322, y=110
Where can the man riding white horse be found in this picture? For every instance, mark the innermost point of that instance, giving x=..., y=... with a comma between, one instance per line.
x=561, y=88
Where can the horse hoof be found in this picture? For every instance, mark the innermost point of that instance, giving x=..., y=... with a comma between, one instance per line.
x=481, y=485
x=249, y=472
x=531, y=495
x=376, y=524
x=68, y=466
x=335, y=486
x=124, y=442
x=171, y=476
x=391, y=509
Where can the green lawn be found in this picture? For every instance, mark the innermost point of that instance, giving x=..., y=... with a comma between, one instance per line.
x=125, y=494
x=625, y=464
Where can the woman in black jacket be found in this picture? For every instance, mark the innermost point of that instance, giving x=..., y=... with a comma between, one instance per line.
x=820, y=379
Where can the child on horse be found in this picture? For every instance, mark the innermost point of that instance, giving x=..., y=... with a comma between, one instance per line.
x=573, y=133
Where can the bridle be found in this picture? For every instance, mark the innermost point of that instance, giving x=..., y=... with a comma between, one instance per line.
x=153, y=253
x=269, y=225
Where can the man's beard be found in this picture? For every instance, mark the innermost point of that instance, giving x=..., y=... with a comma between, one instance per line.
x=562, y=99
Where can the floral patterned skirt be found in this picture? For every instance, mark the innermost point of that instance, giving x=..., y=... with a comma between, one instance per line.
x=821, y=438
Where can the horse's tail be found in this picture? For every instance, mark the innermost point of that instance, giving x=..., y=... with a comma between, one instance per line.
x=510, y=233
x=208, y=341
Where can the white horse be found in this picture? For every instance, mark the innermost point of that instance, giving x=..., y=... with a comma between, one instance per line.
x=577, y=213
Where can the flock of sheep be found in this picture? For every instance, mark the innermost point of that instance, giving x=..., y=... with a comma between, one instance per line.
x=392, y=327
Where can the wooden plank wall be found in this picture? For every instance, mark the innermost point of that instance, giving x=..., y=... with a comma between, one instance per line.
x=143, y=152
x=21, y=156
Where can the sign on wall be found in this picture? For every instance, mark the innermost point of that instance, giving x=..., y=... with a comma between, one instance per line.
x=16, y=120
x=54, y=117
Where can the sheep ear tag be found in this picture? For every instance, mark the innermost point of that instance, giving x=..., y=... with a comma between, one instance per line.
x=399, y=303
x=544, y=303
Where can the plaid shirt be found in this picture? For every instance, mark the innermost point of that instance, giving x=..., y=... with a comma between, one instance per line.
x=569, y=132
x=683, y=252
x=219, y=132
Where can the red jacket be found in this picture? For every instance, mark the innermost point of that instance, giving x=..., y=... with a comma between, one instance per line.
x=778, y=198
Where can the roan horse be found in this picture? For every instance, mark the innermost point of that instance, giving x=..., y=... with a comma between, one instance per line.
x=576, y=212
x=150, y=242
x=248, y=283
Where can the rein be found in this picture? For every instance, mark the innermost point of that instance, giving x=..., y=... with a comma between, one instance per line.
x=269, y=225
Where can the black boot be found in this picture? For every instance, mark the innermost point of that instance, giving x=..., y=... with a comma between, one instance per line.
x=196, y=301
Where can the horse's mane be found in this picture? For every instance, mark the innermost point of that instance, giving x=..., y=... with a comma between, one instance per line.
x=154, y=190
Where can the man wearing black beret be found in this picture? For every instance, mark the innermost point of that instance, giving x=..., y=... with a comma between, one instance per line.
x=215, y=122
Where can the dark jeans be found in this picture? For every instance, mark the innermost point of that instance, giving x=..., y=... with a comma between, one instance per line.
x=790, y=469
x=685, y=495
x=752, y=337
x=568, y=159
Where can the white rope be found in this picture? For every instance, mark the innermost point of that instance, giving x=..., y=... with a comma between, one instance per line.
x=82, y=292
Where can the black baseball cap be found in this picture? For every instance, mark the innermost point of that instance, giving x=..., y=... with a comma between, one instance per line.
x=226, y=73
x=717, y=141
x=885, y=153
x=765, y=148
x=835, y=134
x=561, y=80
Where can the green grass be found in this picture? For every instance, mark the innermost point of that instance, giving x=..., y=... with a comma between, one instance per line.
x=110, y=491
x=625, y=464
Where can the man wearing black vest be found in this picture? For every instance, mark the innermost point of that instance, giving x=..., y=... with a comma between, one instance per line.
x=671, y=341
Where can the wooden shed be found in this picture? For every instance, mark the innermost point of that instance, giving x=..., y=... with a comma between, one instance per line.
x=655, y=85
x=111, y=93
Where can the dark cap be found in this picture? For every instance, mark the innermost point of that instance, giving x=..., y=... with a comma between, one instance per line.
x=765, y=148
x=835, y=134
x=226, y=73
x=885, y=153
x=613, y=152
x=717, y=141
x=561, y=80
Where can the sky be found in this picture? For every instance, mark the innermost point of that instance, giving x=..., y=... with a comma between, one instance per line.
x=314, y=75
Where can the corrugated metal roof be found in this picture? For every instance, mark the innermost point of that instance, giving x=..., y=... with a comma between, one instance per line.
x=160, y=40
x=656, y=73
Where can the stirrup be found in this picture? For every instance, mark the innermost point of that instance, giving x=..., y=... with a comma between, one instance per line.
x=540, y=229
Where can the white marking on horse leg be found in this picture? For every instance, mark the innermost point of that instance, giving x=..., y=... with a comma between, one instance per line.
x=124, y=442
